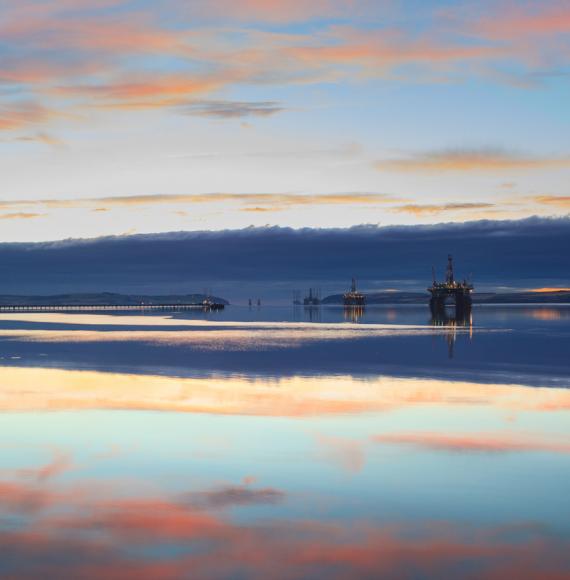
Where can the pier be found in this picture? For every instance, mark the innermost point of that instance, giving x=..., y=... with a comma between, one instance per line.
x=106, y=307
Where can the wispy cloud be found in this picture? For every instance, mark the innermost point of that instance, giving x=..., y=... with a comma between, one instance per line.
x=145, y=91
x=266, y=201
x=21, y=216
x=258, y=209
x=60, y=463
x=232, y=109
x=419, y=209
x=93, y=54
x=347, y=453
x=20, y=115
x=518, y=21
x=477, y=442
x=232, y=496
x=270, y=11
x=561, y=201
x=471, y=160
x=41, y=137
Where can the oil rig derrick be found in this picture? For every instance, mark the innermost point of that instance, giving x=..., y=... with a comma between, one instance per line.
x=451, y=289
x=313, y=298
x=353, y=297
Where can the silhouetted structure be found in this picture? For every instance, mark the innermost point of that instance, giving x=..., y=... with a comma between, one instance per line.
x=353, y=297
x=313, y=298
x=458, y=292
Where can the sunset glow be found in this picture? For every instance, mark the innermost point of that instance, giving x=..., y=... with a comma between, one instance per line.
x=284, y=289
x=209, y=115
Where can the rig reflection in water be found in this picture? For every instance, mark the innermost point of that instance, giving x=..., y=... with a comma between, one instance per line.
x=353, y=313
x=452, y=319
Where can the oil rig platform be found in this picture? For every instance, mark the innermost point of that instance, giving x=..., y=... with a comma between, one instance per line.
x=312, y=299
x=353, y=297
x=458, y=292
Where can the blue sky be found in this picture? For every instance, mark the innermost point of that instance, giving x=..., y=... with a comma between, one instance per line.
x=121, y=117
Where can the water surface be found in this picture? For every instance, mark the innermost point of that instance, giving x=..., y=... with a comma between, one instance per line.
x=286, y=443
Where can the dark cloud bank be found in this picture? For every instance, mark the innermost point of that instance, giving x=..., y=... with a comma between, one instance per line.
x=270, y=262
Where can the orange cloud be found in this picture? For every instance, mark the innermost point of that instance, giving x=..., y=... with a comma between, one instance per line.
x=158, y=91
x=264, y=201
x=545, y=290
x=258, y=209
x=556, y=200
x=419, y=210
x=471, y=160
x=21, y=216
x=295, y=397
x=386, y=50
x=17, y=116
x=477, y=442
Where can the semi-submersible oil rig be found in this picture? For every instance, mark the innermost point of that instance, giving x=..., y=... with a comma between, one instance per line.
x=451, y=289
x=353, y=297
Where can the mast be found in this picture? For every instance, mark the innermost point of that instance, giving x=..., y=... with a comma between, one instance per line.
x=449, y=278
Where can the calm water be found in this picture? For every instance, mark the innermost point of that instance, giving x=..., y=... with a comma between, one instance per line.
x=286, y=443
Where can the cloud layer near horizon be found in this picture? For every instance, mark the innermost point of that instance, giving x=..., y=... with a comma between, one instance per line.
x=500, y=253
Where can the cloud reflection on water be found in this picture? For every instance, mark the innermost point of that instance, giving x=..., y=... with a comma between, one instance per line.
x=27, y=389
x=65, y=531
x=142, y=475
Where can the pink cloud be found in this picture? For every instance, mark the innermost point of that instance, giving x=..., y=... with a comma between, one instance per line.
x=59, y=464
x=519, y=21
x=476, y=442
x=347, y=453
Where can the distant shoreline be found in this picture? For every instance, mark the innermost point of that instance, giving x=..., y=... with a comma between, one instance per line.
x=108, y=299
x=377, y=298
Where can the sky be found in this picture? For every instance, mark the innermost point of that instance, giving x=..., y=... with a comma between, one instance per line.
x=135, y=116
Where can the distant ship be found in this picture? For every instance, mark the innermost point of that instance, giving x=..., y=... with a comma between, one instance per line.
x=353, y=297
